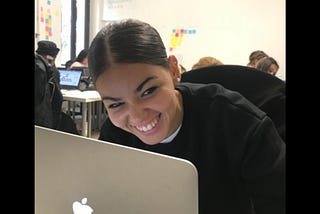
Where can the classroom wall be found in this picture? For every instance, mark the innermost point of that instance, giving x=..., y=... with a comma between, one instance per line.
x=228, y=30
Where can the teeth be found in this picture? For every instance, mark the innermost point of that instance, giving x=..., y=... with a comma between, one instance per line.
x=147, y=127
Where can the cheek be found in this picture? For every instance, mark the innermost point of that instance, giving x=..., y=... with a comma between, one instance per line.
x=118, y=119
x=162, y=102
x=115, y=117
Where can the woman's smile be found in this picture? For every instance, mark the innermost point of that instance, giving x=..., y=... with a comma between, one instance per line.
x=149, y=126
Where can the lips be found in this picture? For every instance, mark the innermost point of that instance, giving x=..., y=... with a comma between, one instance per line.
x=149, y=126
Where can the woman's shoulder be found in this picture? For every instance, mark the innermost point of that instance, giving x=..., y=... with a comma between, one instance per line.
x=214, y=96
x=207, y=91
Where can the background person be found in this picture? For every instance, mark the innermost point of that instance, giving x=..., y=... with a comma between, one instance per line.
x=206, y=61
x=47, y=91
x=268, y=65
x=255, y=56
x=48, y=51
x=80, y=61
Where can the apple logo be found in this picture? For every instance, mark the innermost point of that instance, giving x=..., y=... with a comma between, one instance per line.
x=81, y=208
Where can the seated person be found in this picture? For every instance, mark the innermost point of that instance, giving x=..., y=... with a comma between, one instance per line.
x=268, y=65
x=46, y=72
x=80, y=61
x=254, y=57
x=47, y=91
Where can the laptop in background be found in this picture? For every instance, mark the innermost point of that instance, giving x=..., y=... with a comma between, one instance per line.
x=76, y=172
x=85, y=71
x=86, y=82
x=70, y=79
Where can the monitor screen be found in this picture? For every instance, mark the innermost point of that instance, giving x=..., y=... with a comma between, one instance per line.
x=70, y=78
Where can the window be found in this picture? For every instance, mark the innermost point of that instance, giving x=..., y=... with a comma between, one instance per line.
x=74, y=25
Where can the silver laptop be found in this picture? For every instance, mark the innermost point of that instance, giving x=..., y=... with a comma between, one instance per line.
x=80, y=175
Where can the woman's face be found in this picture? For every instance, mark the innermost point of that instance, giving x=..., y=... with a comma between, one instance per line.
x=141, y=99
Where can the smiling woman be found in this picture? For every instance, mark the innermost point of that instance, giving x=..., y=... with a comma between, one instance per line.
x=235, y=147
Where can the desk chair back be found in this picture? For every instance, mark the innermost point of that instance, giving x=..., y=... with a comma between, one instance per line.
x=262, y=89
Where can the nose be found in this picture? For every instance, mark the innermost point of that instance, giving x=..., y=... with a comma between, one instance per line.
x=136, y=113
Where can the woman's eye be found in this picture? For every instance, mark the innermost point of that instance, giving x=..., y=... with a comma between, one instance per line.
x=114, y=105
x=149, y=91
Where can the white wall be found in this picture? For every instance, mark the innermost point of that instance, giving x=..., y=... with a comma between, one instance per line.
x=228, y=30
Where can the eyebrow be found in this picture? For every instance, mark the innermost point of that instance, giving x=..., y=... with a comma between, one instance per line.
x=111, y=98
x=138, y=89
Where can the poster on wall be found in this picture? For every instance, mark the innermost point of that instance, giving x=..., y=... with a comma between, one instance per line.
x=48, y=21
x=179, y=41
x=177, y=31
x=49, y=18
x=213, y=28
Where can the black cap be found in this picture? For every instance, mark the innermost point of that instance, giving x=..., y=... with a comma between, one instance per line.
x=47, y=48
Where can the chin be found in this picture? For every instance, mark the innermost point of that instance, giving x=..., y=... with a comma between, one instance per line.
x=150, y=141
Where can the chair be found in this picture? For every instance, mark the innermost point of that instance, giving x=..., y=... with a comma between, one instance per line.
x=264, y=90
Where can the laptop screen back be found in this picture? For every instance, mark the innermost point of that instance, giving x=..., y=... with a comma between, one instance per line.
x=75, y=172
x=70, y=79
x=85, y=71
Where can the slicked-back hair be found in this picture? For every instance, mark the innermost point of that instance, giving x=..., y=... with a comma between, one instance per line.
x=126, y=41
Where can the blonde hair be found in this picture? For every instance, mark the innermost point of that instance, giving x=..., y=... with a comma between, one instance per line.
x=255, y=56
x=206, y=61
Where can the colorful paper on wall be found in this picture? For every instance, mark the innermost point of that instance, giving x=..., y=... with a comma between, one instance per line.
x=177, y=36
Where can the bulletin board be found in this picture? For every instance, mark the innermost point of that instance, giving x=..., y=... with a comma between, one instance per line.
x=48, y=21
x=227, y=30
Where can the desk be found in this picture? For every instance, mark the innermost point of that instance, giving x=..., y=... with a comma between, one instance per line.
x=86, y=98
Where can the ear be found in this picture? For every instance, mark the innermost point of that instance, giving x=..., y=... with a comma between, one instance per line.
x=174, y=69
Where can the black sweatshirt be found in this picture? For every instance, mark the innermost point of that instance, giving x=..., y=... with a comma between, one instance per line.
x=235, y=147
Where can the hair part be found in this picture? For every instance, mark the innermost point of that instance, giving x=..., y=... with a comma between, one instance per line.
x=126, y=41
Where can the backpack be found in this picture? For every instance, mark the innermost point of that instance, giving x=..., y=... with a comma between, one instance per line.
x=43, y=93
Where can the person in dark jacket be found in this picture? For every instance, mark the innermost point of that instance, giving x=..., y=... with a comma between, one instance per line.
x=235, y=147
x=47, y=90
x=47, y=51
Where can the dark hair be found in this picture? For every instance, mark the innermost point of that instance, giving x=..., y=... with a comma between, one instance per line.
x=82, y=55
x=126, y=41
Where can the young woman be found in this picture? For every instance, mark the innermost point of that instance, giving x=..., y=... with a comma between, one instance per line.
x=235, y=147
